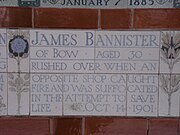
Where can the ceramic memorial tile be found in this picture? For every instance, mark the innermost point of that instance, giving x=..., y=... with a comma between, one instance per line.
x=18, y=50
x=18, y=93
x=150, y=3
x=85, y=3
x=127, y=51
x=8, y=3
x=94, y=94
x=142, y=95
x=169, y=93
x=170, y=52
x=3, y=54
x=60, y=51
x=3, y=94
x=46, y=94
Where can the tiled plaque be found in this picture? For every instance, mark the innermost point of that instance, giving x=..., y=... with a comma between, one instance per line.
x=18, y=93
x=3, y=94
x=127, y=51
x=142, y=95
x=89, y=72
x=46, y=94
x=95, y=94
x=62, y=51
x=8, y=3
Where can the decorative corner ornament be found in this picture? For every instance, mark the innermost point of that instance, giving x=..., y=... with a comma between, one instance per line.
x=29, y=3
x=161, y=2
x=51, y=1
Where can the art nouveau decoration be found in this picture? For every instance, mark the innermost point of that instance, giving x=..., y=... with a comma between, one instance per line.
x=170, y=52
x=18, y=50
x=3, y=94
x=169, y=95
x=170, y=82
x=18, y=83
x=18, y=94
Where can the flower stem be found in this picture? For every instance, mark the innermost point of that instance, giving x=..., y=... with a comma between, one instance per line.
x=169, y=104
x=18, y=87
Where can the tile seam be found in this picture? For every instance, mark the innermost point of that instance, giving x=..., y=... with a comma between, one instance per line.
x=132, y=19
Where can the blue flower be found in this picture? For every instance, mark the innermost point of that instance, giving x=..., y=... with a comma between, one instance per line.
x=18, y=46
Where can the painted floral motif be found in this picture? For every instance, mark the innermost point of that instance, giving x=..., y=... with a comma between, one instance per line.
x=19, y=85
x=18, y=50
x=51, y=1
x=170, y=52
x=18, y=47
x=161, y=2
x=2, y=105
x=170, y=49
x=170, y=85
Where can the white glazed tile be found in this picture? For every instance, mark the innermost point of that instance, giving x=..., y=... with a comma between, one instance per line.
x=85, y=4
x=127, y=39
x=19, y=40
x=18, y=94
x=94, y=94
x=3, y=94
x=142, y=95
x=170, y=52
x=2, y=37
x=61, y=66
x=3, y=54
x=3, y=59
x=127, y=51
x=61, y=38
x=150, y=3
x=126, y=67
x=46, y=94
x=169, y=94
x=62, y=51
x=62, y=60
x=8, y=3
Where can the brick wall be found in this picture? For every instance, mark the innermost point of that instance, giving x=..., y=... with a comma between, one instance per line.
x=126, y=19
